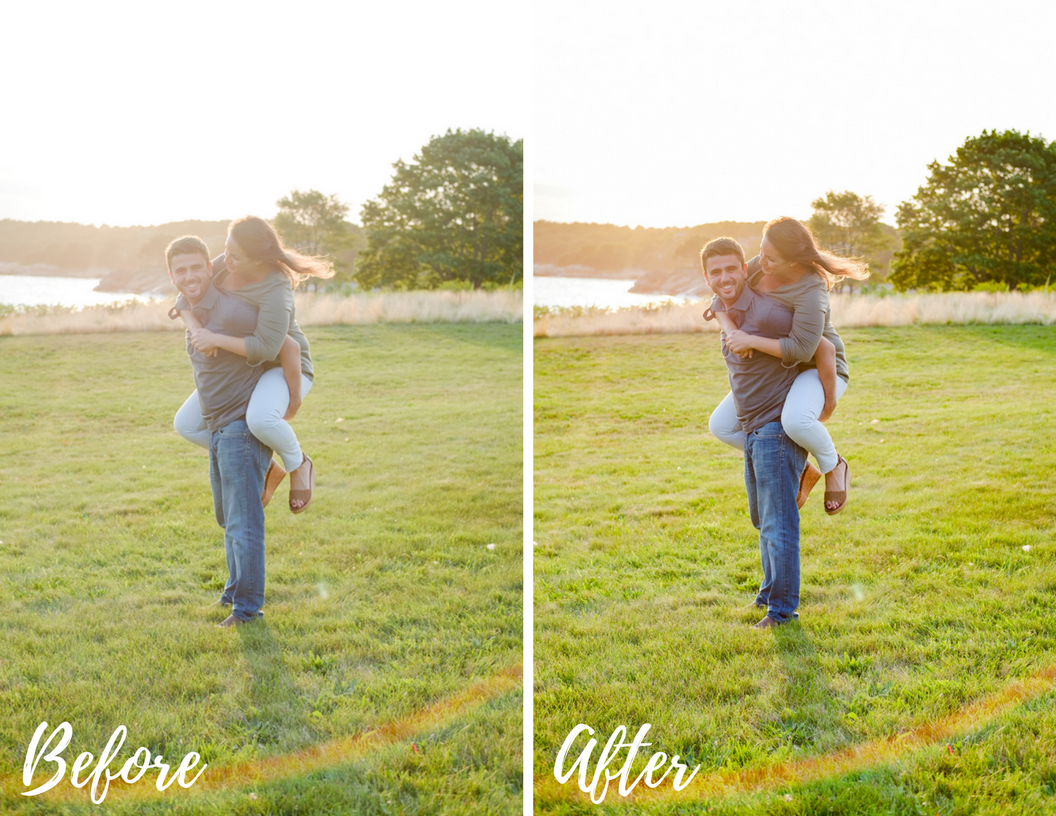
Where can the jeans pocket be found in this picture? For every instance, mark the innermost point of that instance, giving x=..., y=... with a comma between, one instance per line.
x=770, y=430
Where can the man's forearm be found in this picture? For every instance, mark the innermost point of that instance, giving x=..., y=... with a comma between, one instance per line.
x=190, y=320
x=725, y=322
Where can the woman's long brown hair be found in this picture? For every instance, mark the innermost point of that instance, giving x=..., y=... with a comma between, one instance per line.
x=796, y=244
x=260, y=242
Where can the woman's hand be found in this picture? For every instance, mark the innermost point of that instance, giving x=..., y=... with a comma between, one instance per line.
x=204, y=341
x=740, y=343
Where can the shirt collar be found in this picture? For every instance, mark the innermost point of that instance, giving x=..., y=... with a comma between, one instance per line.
x=744, y=300
x=208, y=300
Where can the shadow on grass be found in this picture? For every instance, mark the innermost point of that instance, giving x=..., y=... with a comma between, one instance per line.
x=276, y=714
x=812, y=715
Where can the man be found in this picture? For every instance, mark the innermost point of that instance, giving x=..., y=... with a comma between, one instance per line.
x=773, y=463
x=237, y=460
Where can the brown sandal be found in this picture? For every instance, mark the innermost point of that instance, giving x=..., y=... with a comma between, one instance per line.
x=272, y=479
x=807, y=480
x=300, y=494
x=839, y=495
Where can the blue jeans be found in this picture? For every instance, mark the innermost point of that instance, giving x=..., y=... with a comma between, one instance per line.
x=772, y=467
x=237, y=464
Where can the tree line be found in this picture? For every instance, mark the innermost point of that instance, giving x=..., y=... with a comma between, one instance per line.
x=984, y=220
x=80, y=248
x=611, y=248
x=450, y=218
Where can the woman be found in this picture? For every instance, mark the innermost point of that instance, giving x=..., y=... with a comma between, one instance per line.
x=792, y=269
x=263, y=272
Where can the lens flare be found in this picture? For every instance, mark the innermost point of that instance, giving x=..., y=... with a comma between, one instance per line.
x=721, y=784
x=327, y=755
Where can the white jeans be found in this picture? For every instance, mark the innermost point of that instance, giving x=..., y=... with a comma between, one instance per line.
x=799, y=418
x=270, y=399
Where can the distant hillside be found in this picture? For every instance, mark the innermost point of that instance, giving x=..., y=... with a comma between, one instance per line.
x=128, y=259
x=661, y=260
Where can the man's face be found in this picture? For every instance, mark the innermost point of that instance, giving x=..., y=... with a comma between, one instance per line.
x=190, y=273
x=726, y=275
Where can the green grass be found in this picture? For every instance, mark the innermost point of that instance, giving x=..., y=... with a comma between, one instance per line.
x=385, y=598
x=932, y=590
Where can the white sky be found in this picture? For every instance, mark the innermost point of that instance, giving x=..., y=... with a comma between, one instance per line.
x=142, y=113
x=672, y=113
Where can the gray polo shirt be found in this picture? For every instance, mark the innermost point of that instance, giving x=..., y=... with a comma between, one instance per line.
x=760, y=383
x=225, y=382
x=273, y=299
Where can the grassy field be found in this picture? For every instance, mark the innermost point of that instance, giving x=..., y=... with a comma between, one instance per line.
x=385, y=675
x=920, y=677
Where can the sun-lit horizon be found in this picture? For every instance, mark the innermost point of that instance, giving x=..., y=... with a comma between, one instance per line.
x=128, y=115
x=745, y=112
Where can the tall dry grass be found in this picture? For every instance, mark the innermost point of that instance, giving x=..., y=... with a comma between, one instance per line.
x=312, y=310
x=847, y=311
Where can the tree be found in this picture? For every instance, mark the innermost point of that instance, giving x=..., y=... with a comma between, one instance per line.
x=987, y=217
x=849, y=225
x=454, y=214
x=315, y=224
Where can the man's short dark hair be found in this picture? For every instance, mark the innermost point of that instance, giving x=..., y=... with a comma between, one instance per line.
x=185, y=246
x=720, y=246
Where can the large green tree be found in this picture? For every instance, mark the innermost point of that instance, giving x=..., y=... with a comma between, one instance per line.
x=988, y=215
x=316, y=224
x=453, y=214
x=848, y=224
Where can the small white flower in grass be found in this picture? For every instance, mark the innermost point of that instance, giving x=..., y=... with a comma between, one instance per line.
x=1026, y=548
x=788, y=797
x=491, y=546
x=253, y=796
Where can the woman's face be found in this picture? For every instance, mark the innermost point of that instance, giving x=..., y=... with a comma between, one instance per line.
x=236, y=260
x=773, y=263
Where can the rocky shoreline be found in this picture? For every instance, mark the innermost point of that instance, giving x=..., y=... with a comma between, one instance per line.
x=150, y=283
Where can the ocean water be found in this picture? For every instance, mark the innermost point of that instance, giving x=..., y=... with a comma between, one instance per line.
x=599, y=292
x=41, y=290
